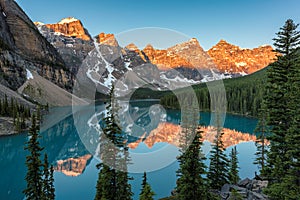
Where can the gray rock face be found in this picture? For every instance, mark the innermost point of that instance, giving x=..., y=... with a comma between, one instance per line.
x=246, y=189
x=73, y=50
x=22, y=46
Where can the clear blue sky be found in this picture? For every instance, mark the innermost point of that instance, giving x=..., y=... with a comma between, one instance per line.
x=247, y=23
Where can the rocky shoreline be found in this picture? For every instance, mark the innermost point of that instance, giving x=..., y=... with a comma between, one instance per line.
x=7, y=126
x=247, y=189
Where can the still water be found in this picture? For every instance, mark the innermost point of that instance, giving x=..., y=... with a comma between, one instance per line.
x=69, y=141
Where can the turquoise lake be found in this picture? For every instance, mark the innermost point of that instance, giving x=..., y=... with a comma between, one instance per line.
x=63, y=139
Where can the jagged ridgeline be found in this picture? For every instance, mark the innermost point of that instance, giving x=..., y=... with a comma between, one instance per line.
x=244, y=94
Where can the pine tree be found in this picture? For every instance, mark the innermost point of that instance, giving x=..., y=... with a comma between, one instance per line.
x=48, y=187
x=34, y=189
x=278, y=88
x=262, y=131
x=103, y=187
x=51, y=195
x=113, y=184
x=123, y=186
x=283, y=108
x=190, y=183
x=146, y=193
x=233, y=167
x=288, y=38
x=218, y=168
x=18, y=124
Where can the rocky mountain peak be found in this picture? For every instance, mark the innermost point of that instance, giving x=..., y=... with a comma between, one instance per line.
x=192, y=43
x=234, y=59
x=107, y=39
x=68, y=20
x=70, y=27
x=149, y=47
x=193, y=53
x=132, y=47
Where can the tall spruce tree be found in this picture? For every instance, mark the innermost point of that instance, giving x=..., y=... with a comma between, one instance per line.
x=218, y=168
x=147, y=192
x=282, y=104
x=233, y=167
x=48, y=180
x=34, y=189
x=51, y=193
x=288, y=38
x=262, y=131
x=113, y=177
x=190, y=183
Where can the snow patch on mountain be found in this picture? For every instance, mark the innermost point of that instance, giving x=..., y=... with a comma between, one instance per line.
x=93, y=71
x=29, y=75
x=68, y=20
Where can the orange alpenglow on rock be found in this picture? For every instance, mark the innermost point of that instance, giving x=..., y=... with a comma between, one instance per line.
x=107, y=39
x=188, y=54
x=170, y=133
x=231, y=58
x=72, y=166
x=70, y=27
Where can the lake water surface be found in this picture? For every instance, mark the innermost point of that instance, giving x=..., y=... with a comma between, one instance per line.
x=70, y=149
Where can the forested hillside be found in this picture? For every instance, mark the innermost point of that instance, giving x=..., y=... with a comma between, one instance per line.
x=244, y=94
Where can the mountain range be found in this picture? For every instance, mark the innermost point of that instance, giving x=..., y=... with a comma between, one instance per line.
x=65, y=53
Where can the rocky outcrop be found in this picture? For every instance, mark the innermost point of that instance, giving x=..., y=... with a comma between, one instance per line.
x=70, y=27
x=107, y=39
x=188, y=54
x=246, y=189
x=73, y=50
x=73, y=166
x=233, y=59
x=23, y=47
x=134, y=48
x=163, y=59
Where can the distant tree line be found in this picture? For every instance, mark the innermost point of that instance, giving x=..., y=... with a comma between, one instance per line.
x=244, y=95
x=19, y=112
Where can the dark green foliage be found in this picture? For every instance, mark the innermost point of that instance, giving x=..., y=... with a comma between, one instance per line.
x=233, y=167
x=48, y=180
x=288, y=38
x=282, y=102
x=244, y=94
x=103, y=187
x=113, y=178
x=190, y=183
x=218, y=168
x=34, y=189
x=262, y=131
x=39, y=177
x=51, y=191
x=146, y=193
x=18, y=112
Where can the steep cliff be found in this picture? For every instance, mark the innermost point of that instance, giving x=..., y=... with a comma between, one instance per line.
x=22, y=47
